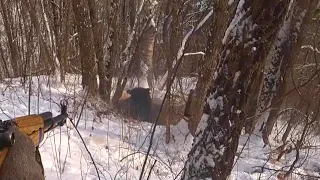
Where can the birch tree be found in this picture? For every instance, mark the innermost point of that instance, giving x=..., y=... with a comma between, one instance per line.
x=284, y=51
x=245, y=44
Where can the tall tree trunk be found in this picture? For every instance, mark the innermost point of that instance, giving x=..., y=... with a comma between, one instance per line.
x=251, y=107
x=128, y=52
x=246, y=42
x=145, y=51
x=98, y=44
x=86, y=43
x=112, y=35
x=58, y=36
x=293, y=119
x=4, y=63
x=27, y=32
x=8, y=27
x=44, y=50
x=209, y=61
x=171, y=49
x=286, y=50
x=65, y=43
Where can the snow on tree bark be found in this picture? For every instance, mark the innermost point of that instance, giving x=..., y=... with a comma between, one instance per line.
x=207, y=64
x=144, y=55
x=127, y=55
x=284, y=50
x=246, y=42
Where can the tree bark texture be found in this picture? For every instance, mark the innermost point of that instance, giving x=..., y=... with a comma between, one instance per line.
x=86, y=43
x=8, y=27
x=98, y=45
x=246, y=43
x=47, y=61
x=286, y=50
x=144, y=54
x=218, y=27
x=252, y=104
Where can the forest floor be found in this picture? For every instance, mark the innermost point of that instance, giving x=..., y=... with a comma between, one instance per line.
x=118, y=147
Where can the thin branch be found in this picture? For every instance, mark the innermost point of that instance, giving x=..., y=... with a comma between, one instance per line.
x=195, y=53
x=281, y=170
x=84, y=144
x=310, y=47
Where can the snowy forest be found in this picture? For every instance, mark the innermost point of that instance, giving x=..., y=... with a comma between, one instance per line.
x=165, y=89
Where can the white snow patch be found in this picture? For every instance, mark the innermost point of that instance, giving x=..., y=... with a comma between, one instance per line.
x=237, y=23
x=254, y=48
x=203, y=123
x=312, y=48
x=143, y=82
x=195, y=53
x=152, y=23
x=236, y=77
x=220, y=102
x=212, y=101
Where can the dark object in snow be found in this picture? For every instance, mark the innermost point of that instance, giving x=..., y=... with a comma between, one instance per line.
x=137, y=103
x=140, y=103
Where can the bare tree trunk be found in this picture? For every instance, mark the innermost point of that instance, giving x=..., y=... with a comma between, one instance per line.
x=86, y=43
x=171, y=50
x=217, y=136
x=286, y=50
x=8, y=27
x=128, y=52
x=294, y=116
x=209, y=61
x=58, y=35
x=98, y=44
x=4, y=62
x=145, y=52
x=252, y=104
x=65, y=43
x=49, y=63
x=112, y=50
x=27, y=32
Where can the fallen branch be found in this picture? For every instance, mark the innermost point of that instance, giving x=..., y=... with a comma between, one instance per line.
x=285, y=171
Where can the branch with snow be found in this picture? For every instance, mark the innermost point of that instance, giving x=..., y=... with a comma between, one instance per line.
x=310, y=47
x=195, y=53
x=233, y=27
x=180, y=53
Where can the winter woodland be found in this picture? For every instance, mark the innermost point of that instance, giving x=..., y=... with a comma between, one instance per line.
x=236, y=84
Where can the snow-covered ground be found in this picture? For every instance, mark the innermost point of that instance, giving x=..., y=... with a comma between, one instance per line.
x=118, y=148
